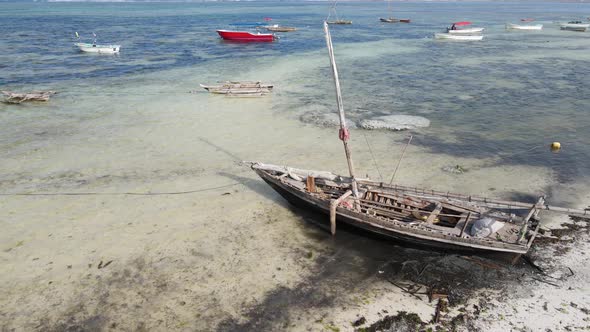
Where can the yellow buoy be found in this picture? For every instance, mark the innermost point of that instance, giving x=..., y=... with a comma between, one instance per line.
x=555, y=146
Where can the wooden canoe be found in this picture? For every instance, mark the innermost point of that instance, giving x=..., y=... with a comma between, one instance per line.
x=394, y=20
x=339, y=22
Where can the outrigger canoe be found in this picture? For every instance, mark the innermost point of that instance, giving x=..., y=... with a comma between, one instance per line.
x=239, y=88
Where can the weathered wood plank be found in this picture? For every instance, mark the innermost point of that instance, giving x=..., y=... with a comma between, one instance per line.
x=434, y=214
x=310, y=185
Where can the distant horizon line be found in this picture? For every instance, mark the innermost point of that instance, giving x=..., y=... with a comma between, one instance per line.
x=186, y=1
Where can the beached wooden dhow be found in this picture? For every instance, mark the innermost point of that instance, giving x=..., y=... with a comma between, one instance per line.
x=420, y=216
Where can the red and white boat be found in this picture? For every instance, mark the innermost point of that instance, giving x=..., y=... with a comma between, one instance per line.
x=455, y=30
x=245, y=36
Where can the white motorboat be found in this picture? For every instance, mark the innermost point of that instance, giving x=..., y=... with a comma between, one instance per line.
x=510, y=26
x=575, y=26
x=440, y=35
x=466, y=31
x=94, y=48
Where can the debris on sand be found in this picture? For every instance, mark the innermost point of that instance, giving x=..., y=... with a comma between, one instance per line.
x=402, y=322
x=455, y=169
x=359, y=321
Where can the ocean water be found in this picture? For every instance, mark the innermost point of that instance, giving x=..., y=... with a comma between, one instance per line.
x=502, y=100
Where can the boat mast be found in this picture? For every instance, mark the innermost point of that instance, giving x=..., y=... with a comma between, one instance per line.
x=334, y=10
x=343, y=134
x=389, y=9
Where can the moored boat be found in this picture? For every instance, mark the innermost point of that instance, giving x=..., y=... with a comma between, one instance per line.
x=575, y=26
x=245, y=36
x=456, y=30
x=340, y=22
x=239, y=88
x=237, y=85
x=394, y=20
x=12, y=97
x=278, y=28
x=337, y=20
x=441, y=35
x=465, y=31
x=95, y=48
x=510, y=26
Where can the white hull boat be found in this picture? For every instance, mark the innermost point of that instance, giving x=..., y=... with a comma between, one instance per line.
x=448, y=36
x=574, y=26
x=465, y=31
x=510, y=26
x=94, y=48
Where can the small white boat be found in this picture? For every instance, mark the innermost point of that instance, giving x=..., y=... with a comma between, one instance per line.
x=94, y=48
x=440, y=35
x=575, y=26
x=466, y=31
x=510, y=26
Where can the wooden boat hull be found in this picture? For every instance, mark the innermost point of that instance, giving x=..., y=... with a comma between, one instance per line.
x=239, y=88
x=524, y=27
x=364, y=221
x=251, y=91
x=446, y=36
x=280, y=29
x=339, y=22
x=245, y=36
x=101, y=49
x=394, y=20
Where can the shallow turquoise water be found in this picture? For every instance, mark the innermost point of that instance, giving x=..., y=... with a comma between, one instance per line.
x=510, y=95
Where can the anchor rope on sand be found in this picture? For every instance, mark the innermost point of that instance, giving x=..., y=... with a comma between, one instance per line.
x=122, y=193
